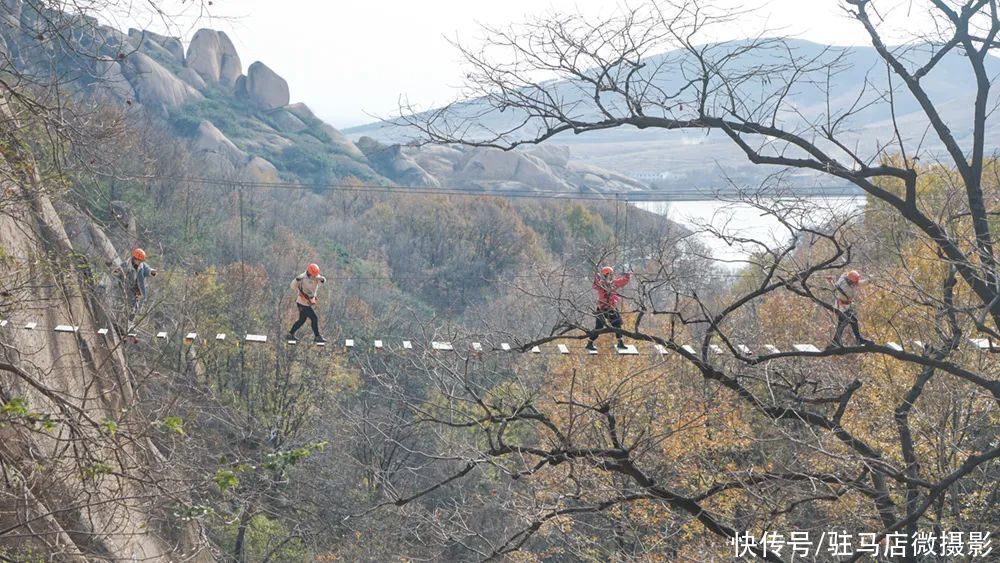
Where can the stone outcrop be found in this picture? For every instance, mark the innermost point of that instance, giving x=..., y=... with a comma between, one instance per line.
x=302, y=112
x=58, y=510
x=393, y=163
x=265, y=141
x=326, y=132
x=260, y=170
x=157, y=46
x=495, y=165
x=217, y=150
x=330, y=134
x=112, y=80
x=287, y=122
x=595, y=178
x=154, y=85
x=212, y=55
x=171, y=44
x=438, y=160
x=192, y=78
x=263, y=88
x=546, y=167
x=556, y=156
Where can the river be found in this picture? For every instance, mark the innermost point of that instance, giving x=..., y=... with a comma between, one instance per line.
x=745, y=220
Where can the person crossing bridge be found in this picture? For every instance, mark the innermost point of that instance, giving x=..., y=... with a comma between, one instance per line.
x=608, y=304
x=306, y=286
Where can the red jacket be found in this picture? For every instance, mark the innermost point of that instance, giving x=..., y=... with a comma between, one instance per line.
x=607, y=291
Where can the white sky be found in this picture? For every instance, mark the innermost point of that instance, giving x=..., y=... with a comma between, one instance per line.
x=349, y=60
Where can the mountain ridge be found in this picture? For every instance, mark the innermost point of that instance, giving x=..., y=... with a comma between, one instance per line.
x=680, y=158
x=242, y=123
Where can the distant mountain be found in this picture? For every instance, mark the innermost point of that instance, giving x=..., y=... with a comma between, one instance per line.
x=240, y=122
x=692, y=158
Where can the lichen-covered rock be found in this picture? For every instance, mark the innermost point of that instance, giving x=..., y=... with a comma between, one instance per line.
x=265, y=141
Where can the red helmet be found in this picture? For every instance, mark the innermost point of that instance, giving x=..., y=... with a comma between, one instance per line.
x=607, y=271
x=139, y=255
x=853, y=276
x=312, y=270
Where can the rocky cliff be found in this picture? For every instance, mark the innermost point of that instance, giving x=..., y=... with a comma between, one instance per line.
x=80, y=476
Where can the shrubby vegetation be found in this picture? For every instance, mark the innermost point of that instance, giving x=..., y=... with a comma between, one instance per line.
x=306, y=156
x=275, y=452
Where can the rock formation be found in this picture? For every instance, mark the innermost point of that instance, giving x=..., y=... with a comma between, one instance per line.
x=69, y=501
x=495, y=165
x=155, y=86
x=286, y=122
x=191, y=77
x=216, y=150
x=263, y=87
x=393, y=163
x=157, y=46
x=212, y=55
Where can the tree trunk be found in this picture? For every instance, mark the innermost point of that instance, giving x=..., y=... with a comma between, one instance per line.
x=239, y=549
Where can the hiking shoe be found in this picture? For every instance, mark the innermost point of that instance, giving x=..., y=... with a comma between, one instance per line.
x=621, y=345
x=320, y=340
x=866, y=342
x=291, y=337
x=834, y=345
x=590, y=346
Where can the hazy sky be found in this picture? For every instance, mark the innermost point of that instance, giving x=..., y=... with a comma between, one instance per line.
x=351, y=59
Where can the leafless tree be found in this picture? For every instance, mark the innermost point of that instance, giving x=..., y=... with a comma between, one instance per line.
x=926, y=228
x=82, y=478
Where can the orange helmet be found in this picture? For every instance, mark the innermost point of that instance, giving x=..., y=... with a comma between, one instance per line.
x=853, y=276
x=312, y=270
x=607, y=271
x=139, y=255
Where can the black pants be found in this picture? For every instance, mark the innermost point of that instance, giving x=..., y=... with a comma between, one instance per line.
x=306, y=312
x=604, y=318
x=845, y=318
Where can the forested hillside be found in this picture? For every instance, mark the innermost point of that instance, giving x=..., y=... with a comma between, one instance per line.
x=231, y=191
x=736, y=419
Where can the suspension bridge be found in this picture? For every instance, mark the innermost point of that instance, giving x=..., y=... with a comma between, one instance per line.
x=468, y=346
